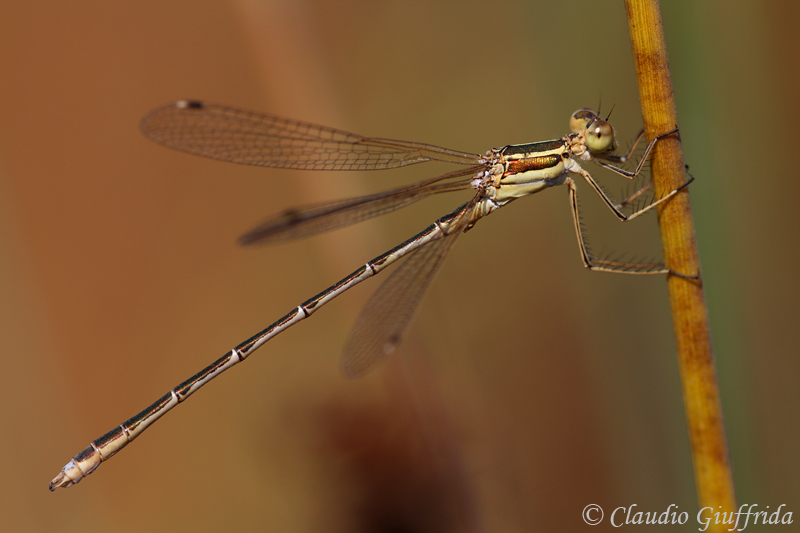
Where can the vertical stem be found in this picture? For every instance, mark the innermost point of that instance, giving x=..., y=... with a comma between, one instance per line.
x=689, y=314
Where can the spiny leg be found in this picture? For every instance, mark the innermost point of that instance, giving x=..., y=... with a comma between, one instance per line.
x=620, y=159
x=610, y=266
x=633, y=196
x=646, y=188
x=615, y=208
x=627, y=173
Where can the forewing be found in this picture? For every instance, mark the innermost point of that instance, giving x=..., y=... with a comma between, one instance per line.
x=254, y=138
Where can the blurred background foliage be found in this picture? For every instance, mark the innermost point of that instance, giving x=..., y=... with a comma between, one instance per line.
x=528, y=387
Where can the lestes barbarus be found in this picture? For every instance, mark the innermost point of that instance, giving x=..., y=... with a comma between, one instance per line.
x=499, y=176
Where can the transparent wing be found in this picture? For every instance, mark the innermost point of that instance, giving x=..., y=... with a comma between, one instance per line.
x=389, y=312
x=311, y=220
x=253, y=138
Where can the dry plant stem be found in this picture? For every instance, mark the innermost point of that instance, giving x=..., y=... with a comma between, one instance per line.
x=690, y=317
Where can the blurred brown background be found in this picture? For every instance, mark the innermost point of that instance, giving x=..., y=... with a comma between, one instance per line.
x=528, y=387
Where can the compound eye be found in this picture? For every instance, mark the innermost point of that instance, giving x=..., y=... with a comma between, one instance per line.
x=599, y=136
x=580, y=118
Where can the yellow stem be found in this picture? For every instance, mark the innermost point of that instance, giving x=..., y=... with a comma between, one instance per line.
x=689, y=314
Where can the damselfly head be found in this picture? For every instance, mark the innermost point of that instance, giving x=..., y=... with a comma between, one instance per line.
x=598, y=133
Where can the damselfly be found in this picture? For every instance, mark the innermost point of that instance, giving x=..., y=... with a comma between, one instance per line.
x=498, y=177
